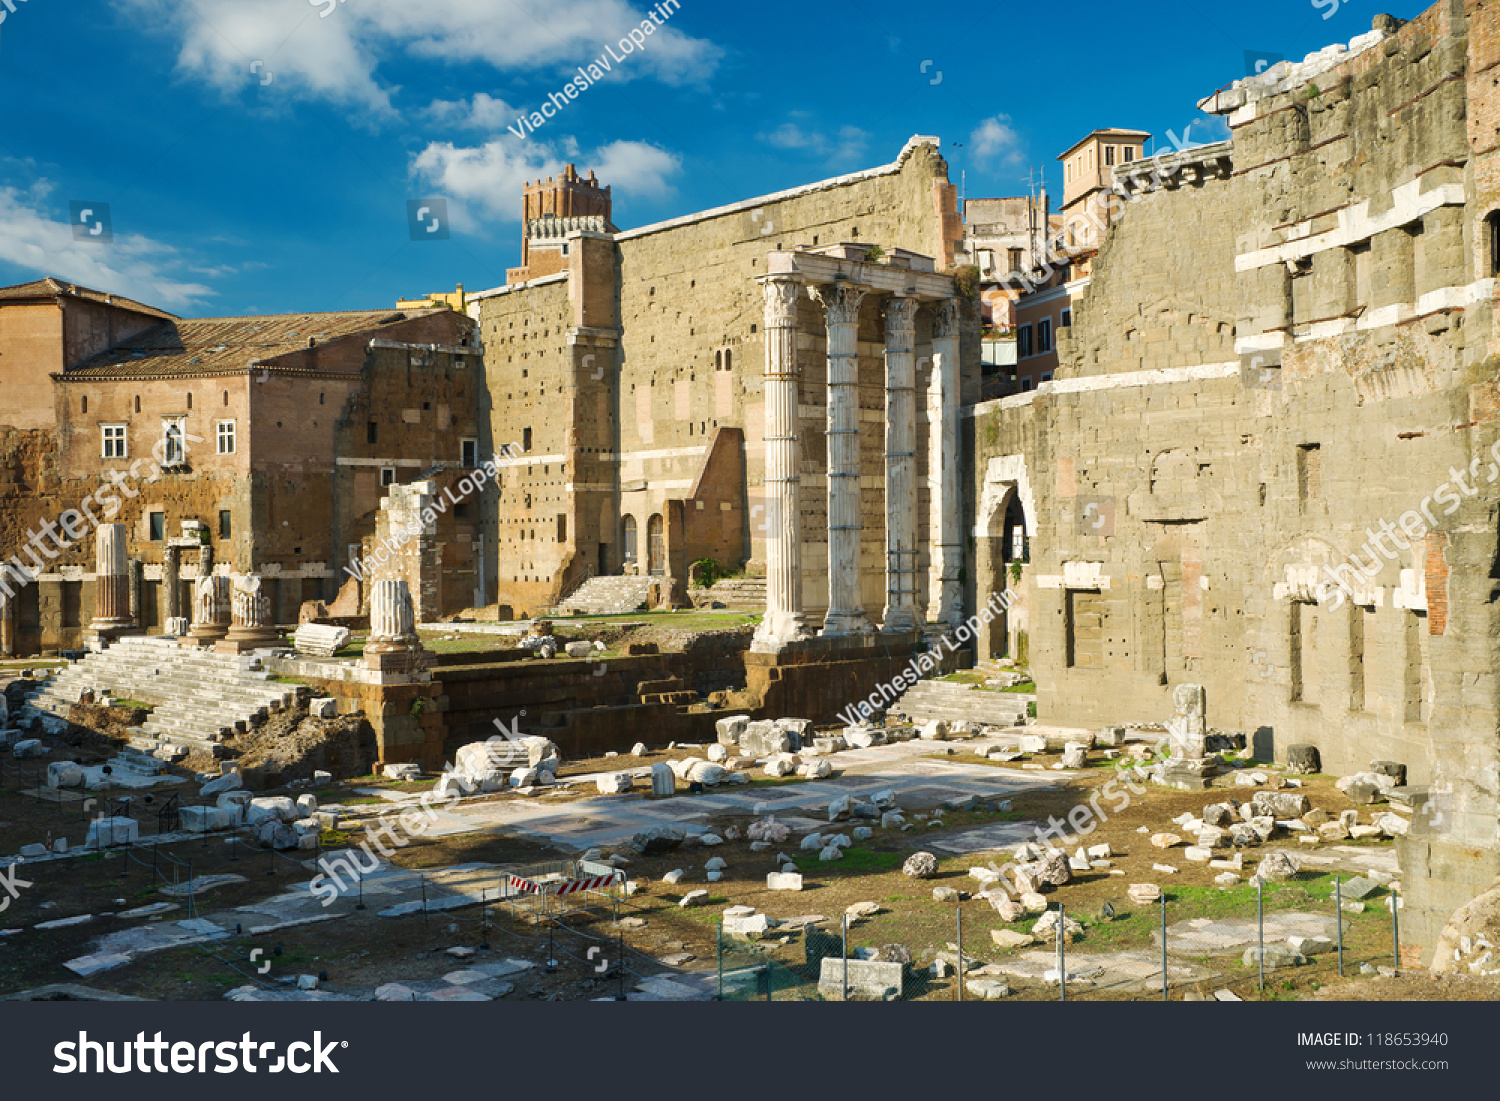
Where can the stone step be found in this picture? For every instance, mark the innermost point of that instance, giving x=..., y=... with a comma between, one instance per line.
x=154, y=742
x=607, y=596
x=197, y=695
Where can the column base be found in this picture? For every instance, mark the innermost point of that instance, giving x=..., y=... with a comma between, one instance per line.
x=839, y=624
x=204, y=634
x=105, y=631
x=901, y=621
x=397, y=657
x=241, y=640
x=778, y=629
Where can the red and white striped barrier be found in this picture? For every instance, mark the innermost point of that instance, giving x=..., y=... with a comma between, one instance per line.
x=564, y=887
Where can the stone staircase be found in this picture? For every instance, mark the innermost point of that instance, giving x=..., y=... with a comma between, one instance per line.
x=936, y=699
x=199, y=697
x=607, y=596
x=741, y=594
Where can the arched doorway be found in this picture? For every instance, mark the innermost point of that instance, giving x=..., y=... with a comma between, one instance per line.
x=656, y=546
x=1006, y=522
x=630, y=542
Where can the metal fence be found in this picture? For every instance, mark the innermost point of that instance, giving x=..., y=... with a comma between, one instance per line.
x=1246, y=941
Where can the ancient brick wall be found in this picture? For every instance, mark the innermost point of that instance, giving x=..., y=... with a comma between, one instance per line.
x=1267, y=366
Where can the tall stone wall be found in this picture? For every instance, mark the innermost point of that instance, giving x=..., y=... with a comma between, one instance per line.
x=1275, y=366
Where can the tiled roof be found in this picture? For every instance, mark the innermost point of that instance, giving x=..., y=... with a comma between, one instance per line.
x=186, y=348
x=51, y=288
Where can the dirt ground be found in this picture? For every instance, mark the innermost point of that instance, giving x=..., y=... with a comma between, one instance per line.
x=362, y=950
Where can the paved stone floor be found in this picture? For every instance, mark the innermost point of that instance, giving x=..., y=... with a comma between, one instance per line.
x=904, y=767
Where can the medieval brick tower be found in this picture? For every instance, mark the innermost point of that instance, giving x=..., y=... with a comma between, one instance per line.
x=552, y=208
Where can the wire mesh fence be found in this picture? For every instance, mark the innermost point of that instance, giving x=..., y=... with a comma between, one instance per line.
x=1248, y=940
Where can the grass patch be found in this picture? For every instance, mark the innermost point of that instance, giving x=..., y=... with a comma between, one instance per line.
x=1025, y=686
x=133, y=705
x=858, y=861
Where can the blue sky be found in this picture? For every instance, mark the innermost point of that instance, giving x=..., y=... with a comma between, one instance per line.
x=257, y=156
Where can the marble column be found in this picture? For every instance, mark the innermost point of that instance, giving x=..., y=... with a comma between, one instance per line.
x=394, y=645
x=944, y=584
x=171, y=580
x=784, y=620
x=7, y=625
x=846, y=612
x=251, y=622
x=112, y=616
x=901, y=611
x=210, y=608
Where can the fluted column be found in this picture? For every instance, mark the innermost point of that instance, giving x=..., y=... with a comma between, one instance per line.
x=944, y=586
x=171, y=580
x=210, y=608
x=846, y=612
x=394, y=645
x=251, y=622
x=784, y=620
x=112, y=616
x=901, y=612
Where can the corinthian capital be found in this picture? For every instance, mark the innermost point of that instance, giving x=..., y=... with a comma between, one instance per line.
x=782, y=292
x=840, y=302
x=900, y=314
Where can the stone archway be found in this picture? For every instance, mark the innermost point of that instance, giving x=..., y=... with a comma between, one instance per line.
x=1007, y=485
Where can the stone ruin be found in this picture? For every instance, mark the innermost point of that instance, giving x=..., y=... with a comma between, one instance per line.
x=1191, y=766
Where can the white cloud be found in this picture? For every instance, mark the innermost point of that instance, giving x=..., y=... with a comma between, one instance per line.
x=483, y=112
x=138, y=267
x=333, y=50
x=487, y=180
x=994, y=140
x=847, y=143
x=636, y=168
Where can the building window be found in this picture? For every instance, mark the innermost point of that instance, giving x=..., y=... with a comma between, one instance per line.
x=986, y=260
x=1127, y=154
x=470, y=453
x=85, y=408
x=225, y=526
x=174, y=442
x=114, y=440
x=157, y=526
x=1013, y=259
x=372, y=433
x=1067, y=320
x=226, y=437
x=1023, y=341
x=1492, y=222
x=1025, y=382
x=1046, y=376
x=525, y=439
x=138, y=403
x=190, y=400
x=1109, y=155
x=1044, y=335
x=562, y=527
x=387, y=475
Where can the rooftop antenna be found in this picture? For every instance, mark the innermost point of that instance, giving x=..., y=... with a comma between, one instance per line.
x=1031, y=214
